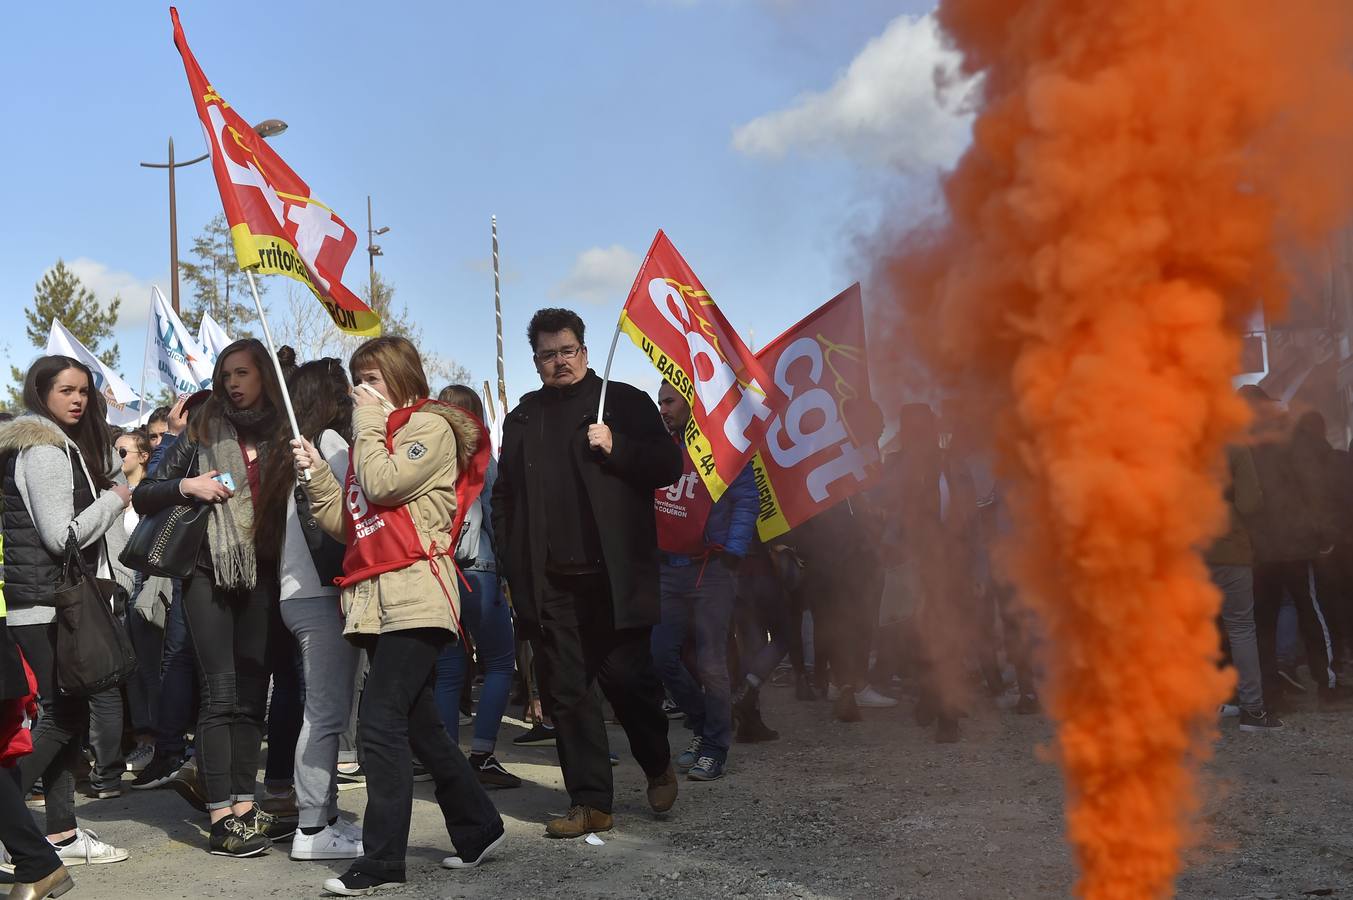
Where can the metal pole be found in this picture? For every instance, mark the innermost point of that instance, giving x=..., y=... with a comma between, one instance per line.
x=498, y=313
x=173, y=236
x=606, y=377
x=371, y=251
x=277, y=365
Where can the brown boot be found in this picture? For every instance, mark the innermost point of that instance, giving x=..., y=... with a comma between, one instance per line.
x=580, y=820
x=54, y=885
x=662, y=790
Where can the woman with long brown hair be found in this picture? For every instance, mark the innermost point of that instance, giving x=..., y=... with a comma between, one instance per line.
x=58, y=488
x=230, y=459
x=415, y=464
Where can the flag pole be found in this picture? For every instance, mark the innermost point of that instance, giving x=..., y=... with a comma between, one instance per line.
x=606, y=376
x=276, y=364
x=498, y=313
x=150, y=323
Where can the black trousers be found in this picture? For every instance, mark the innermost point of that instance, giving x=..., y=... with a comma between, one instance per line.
x=845, y=605
x=399, y=718
x=57, y=735
x=230, y=634
x=34, y=858
x=1297, y=578
x=579, y=649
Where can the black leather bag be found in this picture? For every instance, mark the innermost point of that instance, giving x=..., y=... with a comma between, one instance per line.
x=168, y=542
x=93, y=650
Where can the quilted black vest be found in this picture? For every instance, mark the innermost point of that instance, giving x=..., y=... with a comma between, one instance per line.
x=31, y=573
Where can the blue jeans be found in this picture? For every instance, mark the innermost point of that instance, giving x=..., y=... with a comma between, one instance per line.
x=178, y=682
x=697, y=601
x=484, y=613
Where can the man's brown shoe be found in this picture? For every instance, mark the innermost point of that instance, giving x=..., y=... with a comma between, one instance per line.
x=662, y=790
x=580, y=820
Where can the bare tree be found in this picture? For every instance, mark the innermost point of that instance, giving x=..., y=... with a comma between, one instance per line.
x=313, y=334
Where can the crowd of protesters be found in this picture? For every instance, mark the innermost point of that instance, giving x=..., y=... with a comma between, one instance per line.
x=343, y=592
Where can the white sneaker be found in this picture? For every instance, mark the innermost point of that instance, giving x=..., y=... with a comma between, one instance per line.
x=327, y=844
x=1229, y=711
x=139, y=758
x=872, y=699
x=87, y=849
x=6, y=861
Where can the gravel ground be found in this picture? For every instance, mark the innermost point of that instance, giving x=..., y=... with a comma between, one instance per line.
x=830, y=810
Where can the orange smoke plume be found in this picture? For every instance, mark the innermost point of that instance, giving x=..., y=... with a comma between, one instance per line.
x=1138, y=171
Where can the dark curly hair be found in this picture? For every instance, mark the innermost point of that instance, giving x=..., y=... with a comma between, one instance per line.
x=552, y=319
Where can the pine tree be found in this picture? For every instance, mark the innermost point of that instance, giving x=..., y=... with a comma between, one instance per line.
x=218, y=284
x=61, y=296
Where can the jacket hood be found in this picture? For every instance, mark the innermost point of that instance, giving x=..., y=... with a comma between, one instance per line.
x=32, y=431
x=468, y=430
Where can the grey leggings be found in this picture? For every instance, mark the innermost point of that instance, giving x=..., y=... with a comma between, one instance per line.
x=329, y=662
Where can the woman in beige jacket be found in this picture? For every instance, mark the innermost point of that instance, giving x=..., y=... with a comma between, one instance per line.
x=396, y=510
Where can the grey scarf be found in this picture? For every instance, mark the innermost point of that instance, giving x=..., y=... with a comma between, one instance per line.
x=230, y=533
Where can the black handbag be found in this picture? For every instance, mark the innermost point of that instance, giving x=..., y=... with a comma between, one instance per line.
x=93, y=650
x=168, y=542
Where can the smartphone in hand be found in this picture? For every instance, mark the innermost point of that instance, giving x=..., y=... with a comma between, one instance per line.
x=225, y=479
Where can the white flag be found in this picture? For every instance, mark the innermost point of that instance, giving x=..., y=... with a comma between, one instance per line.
x=179, y=361
x=124, y=407
x=212, y=338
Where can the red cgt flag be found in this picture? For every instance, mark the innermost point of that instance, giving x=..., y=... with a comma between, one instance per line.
x=275, y=224
x=823, y=447
x=671, y=317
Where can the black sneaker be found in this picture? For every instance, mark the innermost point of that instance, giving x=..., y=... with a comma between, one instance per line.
x=351, y=776
x=268, y=825
x=232, y=837
x=187, y=783
x=1028, y=705
x=540, y=735
x=491, y=772
x=1261, y=722
x=358, y=884
x=420, y=772
x=156, y=774
x=670, y=709
x=475, y=854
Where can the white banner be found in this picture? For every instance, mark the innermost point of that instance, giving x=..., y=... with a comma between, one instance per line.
x=212, y=338
x=124, y=407
x=180, y=363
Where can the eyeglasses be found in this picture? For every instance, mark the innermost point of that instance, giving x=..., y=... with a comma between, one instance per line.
x=548, y=356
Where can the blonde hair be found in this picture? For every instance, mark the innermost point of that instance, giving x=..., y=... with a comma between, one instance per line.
x=400, y=365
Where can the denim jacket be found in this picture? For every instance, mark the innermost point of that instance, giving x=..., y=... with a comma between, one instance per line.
x=487, y=561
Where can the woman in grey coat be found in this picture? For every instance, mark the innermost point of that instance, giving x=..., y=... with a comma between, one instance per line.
x=57, y=464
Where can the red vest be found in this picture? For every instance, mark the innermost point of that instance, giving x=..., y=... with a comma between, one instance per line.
x=383, y=538
x=681, y=511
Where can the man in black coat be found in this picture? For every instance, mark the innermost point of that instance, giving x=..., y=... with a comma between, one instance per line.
x=573, y=521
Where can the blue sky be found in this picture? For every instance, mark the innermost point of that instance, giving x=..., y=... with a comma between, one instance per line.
x=760, y=135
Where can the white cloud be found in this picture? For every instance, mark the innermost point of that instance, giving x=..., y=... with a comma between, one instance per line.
x=106, y=283
x=899, y=103
x=600, y=275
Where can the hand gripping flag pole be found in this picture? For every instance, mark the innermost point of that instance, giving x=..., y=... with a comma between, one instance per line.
x=276, y=364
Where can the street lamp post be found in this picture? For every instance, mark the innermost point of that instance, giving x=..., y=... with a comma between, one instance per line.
x=373, y=249
x=265, y=129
